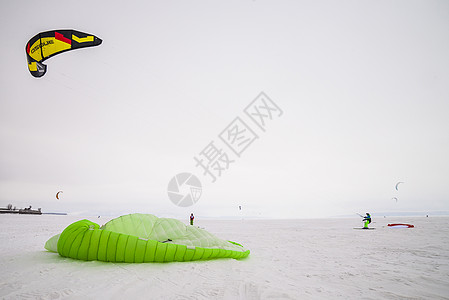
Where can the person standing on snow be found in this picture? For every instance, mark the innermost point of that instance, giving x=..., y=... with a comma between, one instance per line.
x=191, y=218
x=367, y=220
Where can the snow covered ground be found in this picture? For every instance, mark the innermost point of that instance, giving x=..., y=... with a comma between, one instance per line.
x=290, y=259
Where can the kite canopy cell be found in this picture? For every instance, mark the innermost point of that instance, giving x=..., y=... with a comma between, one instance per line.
x=138, y=238
x=50, y=43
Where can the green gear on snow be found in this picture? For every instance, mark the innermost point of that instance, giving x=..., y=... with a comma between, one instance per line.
x=366, y=224
x=138, y=238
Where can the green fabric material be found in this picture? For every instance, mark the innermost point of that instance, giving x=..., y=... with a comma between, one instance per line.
x=52, y=243
x=140, y=238
x=366, y=224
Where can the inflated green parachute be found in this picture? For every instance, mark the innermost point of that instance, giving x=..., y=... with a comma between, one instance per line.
x=138, y=238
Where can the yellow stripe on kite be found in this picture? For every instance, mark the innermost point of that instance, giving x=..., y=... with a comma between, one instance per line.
x=32, y=66
x=89, y=38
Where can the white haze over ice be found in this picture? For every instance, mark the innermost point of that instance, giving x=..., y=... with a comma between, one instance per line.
x=363, y=87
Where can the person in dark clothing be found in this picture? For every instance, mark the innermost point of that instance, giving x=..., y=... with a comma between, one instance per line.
x=191, y=218
x=367, y=220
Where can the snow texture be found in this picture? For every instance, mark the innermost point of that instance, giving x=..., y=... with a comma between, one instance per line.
x=290, y=259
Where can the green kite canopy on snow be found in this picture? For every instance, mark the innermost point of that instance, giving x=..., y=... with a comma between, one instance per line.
x=141, y=238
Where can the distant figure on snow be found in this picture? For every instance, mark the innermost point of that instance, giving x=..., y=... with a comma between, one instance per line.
x=367, y=220
x=191, y=218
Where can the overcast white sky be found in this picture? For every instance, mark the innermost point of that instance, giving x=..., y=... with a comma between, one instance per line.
x=363, y=86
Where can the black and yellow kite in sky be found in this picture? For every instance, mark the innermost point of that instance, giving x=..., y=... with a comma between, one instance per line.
x=49, y=43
